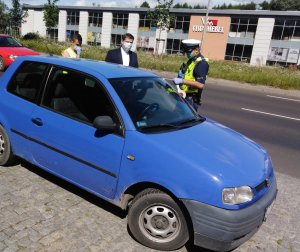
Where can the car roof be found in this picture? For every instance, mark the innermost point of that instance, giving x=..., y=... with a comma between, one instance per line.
x=108, y=70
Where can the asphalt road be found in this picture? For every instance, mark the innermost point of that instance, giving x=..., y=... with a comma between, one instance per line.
x=269, y=117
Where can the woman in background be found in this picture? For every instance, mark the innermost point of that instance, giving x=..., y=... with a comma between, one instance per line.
x=75, y=49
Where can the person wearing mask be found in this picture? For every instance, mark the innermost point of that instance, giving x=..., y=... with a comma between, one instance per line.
x=123, y=55
x=192, y=75
x=75, y=49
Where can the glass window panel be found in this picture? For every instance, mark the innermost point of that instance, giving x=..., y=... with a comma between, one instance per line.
x=277, y=32
x=279, y=21
x=238, y=51
x=290, y=22
x=253, y=21
x=244, y=20
x=233, y=27
x=235, y=20
x=179, y=18
x=242, y=28
x=229, y=49
x=247, y=51
x=287, y=33
x=296, y=34
x=186, y=27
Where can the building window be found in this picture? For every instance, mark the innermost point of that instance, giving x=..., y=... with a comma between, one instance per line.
x=286, y=29
x=115, y=40
x=238, y=52
x=73, y=17
x=146, y=34
x=95, y=19
x=173, y=46
x=243, y=27
x=180, y=24
x=70, y=33
x=52, y=33
x=120, y=21
x=145, y=23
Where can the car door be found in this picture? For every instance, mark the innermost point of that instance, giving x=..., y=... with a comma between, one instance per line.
x=23, y=92
x=65, y=141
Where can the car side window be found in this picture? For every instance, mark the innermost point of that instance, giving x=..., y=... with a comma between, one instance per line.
x=28, y=80
x=77, y=96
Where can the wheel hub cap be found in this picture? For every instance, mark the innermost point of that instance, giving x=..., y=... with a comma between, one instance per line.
x=2, y=145
x=159, y=223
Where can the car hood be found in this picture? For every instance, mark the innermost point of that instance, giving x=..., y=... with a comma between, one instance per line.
x=21, y=51
x=216, y=151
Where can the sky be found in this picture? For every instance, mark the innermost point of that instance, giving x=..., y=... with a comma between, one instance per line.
x=127, y=3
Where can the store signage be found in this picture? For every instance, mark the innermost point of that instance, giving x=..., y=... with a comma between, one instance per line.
x=211, y=26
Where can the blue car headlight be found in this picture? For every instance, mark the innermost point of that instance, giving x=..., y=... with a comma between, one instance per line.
x=237, y=195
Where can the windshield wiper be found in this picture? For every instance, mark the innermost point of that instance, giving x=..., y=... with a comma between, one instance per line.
x=172, y=126
x=193, y=120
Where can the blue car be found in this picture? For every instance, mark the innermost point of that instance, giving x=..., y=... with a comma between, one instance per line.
x=126, y=136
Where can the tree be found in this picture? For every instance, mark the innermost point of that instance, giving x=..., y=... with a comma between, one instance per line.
x=51, y=12
x=198, y=6
x=145, y=5
x=285, y=5
x=249, y=6
x=4, y=17
x=16, y=15
x=265, y=5
x=161, y=17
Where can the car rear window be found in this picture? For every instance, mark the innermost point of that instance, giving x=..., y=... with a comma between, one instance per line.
x=27, y=81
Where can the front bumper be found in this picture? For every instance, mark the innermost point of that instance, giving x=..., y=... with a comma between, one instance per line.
x=222, y=230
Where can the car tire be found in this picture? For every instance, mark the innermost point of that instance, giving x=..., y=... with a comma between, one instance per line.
x=2, y=65
x=6, y=156
x=156, y=221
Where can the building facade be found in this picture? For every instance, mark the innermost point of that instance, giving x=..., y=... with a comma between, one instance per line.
x=257, y=37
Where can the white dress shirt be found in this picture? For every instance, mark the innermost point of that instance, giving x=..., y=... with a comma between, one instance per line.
x=125, y=57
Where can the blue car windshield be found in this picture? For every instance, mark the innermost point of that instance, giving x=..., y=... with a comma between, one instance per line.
x=154, y=105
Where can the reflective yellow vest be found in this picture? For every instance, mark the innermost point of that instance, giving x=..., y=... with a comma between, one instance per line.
x=189, y=75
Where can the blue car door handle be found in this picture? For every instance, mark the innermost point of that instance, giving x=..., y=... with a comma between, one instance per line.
x=37, y=121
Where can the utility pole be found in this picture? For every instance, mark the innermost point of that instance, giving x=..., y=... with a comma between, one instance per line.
x=205, y=25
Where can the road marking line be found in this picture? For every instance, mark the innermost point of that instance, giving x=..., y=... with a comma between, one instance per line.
x=283, y=98
x=261, y=112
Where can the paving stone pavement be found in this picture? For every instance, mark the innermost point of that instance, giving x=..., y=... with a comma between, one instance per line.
x=39, y=212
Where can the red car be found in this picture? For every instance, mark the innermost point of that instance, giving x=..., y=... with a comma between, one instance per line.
x=10, y=49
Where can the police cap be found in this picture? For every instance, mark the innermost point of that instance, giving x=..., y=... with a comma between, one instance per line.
x=189, y=45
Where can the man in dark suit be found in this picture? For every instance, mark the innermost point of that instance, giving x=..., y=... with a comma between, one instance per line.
x=123, y=55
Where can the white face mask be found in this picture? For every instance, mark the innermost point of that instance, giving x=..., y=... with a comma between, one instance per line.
x=126, y=46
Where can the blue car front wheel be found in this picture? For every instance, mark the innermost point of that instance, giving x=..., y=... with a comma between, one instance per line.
x=156, y=221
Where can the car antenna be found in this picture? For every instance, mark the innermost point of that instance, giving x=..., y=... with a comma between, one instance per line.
x=50, y=54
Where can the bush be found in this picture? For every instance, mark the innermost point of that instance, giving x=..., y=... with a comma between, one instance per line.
x=31, y=35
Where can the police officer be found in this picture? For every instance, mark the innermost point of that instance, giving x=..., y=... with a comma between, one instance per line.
x=192, y=76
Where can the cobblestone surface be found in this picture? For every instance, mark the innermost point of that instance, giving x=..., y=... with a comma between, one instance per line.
x=39, y=212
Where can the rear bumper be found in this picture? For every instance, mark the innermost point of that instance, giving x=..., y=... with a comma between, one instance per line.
x=222, y=230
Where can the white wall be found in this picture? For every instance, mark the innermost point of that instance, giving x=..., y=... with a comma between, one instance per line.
x=39, y=24
x=262, y=41
x=28, y=25
x=106, y=29
x=83, y=25
x=133, y=26
x=62, y=25
x=161, y=45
